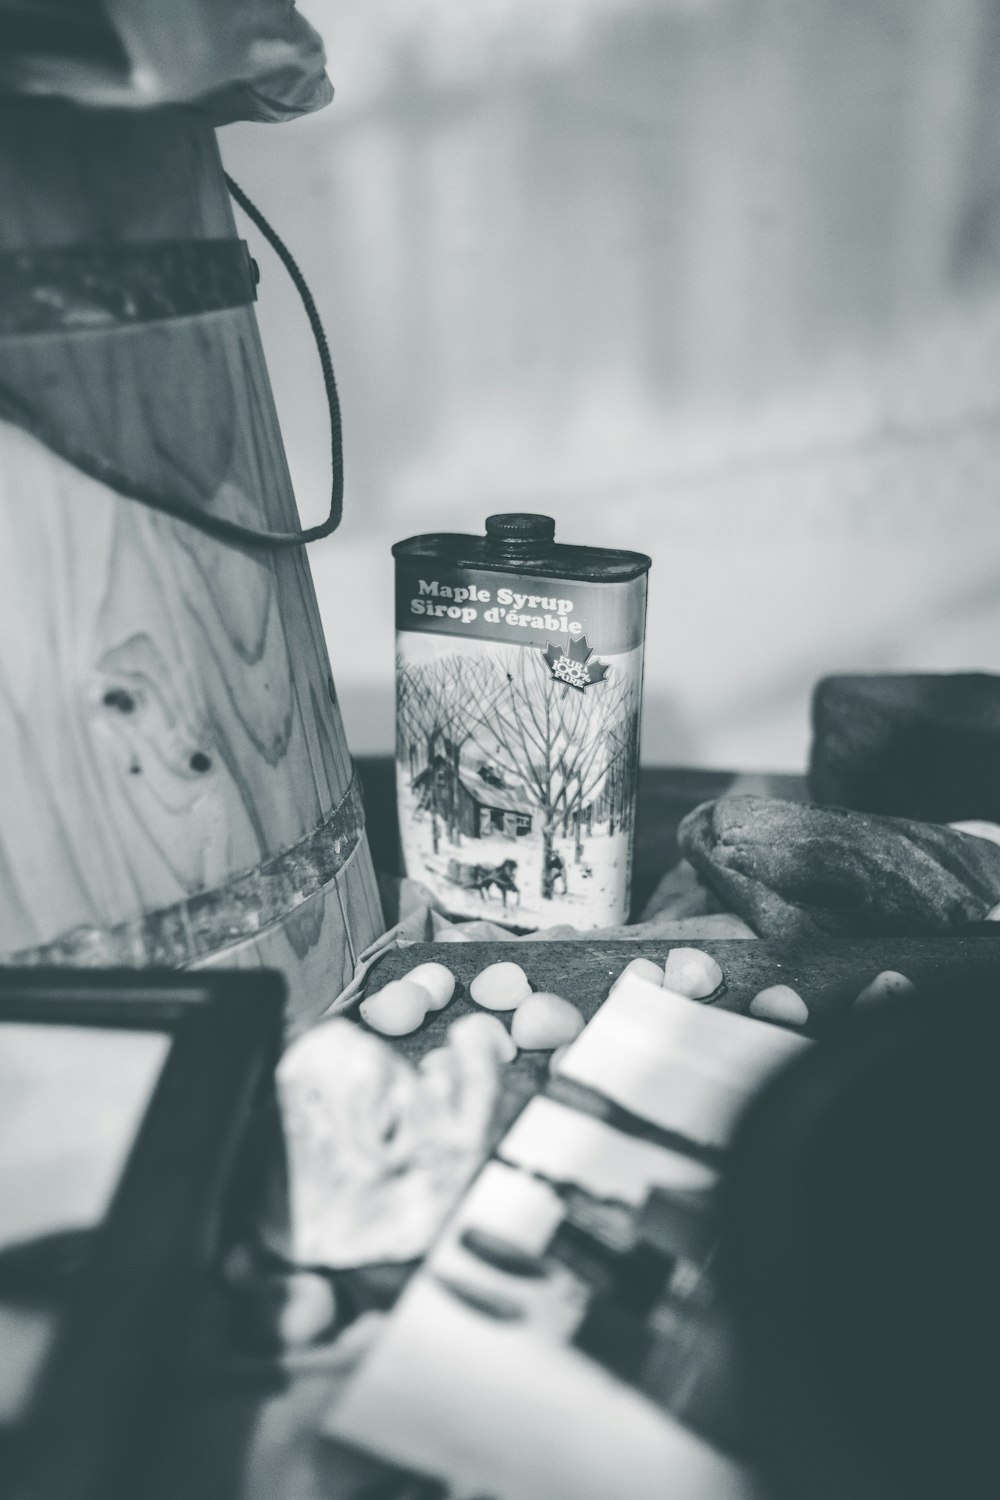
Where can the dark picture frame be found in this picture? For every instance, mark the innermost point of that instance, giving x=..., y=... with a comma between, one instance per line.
x=121, y=1315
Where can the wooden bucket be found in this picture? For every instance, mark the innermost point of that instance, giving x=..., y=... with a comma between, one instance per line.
x=176, y=789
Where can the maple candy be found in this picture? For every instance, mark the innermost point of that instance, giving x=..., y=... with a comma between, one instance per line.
x=437, y=980
x=544, y=1022
x=501, y=986
x=398, y=1008
x=888, y=985
x=518, y=698
x=779, y=1002
x=691, y=972
x=645, y=968
x=480, y=1030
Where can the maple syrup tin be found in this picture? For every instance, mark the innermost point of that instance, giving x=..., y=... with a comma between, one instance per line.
x=518, y=701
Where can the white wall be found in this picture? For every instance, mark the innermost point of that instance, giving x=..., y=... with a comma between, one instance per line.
x=715, y=279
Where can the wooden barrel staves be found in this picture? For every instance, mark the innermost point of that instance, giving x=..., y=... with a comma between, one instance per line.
x=176, y=789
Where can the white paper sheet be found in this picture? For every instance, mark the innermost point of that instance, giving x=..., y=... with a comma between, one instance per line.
x=687, y=1067
x=568, y=1147
x=494, y=1409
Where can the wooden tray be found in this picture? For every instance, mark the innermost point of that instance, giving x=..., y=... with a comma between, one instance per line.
x=827, y=975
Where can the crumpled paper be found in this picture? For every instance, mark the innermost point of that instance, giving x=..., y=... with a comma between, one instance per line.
x=377, y=1150
x=254, y=60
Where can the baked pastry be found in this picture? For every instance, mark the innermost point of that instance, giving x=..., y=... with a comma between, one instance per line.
x=796, y=870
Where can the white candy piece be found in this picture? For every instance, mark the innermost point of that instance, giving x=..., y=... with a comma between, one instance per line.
x=690, y=972
x=779, y=1002
x=643, y=968
x=545, y=1021
x=885, y=986
x=500, y=986
x=437, y=980
x=557, y=1058
x=487, y=1032
x=396, y=1009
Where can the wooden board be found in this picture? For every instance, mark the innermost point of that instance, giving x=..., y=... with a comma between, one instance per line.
x=827, y=975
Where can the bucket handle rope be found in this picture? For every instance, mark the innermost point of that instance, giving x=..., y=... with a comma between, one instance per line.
x=15, y=409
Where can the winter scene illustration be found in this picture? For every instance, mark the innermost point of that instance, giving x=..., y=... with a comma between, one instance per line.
x=516, y=775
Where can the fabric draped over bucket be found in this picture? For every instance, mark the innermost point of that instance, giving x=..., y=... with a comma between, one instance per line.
x=253, y=60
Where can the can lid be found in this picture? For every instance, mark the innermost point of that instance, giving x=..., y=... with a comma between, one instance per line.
x=518, y=533
x=522, y=542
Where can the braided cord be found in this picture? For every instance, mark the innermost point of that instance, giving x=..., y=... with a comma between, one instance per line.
x=313, y=533
x=16, y=409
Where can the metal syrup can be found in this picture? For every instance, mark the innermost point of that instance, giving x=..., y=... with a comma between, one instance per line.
x=518, y=703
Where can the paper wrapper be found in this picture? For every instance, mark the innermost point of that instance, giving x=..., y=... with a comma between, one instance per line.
x=377, y=1152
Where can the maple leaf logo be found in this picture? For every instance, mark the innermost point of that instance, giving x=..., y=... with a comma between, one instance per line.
x=576, y=666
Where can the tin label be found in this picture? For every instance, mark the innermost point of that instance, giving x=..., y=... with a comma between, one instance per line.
x=518, y=704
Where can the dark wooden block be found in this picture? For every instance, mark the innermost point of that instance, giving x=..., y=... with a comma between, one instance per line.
x=924, y=746
x=800, y=871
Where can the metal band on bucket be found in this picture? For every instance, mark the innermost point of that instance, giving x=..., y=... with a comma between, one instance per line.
x=178, y=935
x=85, y=288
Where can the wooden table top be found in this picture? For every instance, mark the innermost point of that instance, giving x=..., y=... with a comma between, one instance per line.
x=249, y=1440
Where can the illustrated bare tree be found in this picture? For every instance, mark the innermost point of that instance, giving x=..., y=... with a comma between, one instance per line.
x=561, y=742
x=438, y=704
x=617, y=794
x=409, y=730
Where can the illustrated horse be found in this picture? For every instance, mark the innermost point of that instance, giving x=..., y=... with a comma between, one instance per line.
x=486, y=878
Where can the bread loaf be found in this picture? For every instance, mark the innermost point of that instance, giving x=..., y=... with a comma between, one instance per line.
x=796, y=870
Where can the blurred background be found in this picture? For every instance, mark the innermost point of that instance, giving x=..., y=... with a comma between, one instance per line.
x=718, y=280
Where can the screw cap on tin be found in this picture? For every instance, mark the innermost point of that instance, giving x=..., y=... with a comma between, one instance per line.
x=517, y=533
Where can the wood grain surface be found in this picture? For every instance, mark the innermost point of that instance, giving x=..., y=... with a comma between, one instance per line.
x=827, y=975
x=168, y=718
x=318, y=945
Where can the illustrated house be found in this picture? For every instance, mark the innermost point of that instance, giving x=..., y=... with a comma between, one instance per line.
x=486, y=809
x=480, y=802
